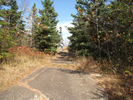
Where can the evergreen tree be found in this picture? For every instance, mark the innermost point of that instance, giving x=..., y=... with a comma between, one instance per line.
x=86, y=26
x=12, y=17
x=10, y=26
x=16, y=24
x=47, y=36
x=6, y=40
x=109, y=29
x=121, y=17
x=34, y=20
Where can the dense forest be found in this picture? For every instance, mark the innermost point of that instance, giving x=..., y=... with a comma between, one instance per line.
x=43, y=36
x=104, y=31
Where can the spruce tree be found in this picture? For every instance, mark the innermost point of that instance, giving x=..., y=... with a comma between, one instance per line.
x=47, y=36
x=109, y=29
x=6, y=40
x=16, y=24
x=86, y=27
x=34, y=20
x=10, y=26
x=121, y=16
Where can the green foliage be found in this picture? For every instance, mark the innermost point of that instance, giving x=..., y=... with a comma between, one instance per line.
x=103, y=31
x=34, y=22
x=10, y=27
x=128, y=72
x=47, y=36
x=53, y=49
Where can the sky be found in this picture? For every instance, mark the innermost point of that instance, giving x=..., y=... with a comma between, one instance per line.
x=64, y=8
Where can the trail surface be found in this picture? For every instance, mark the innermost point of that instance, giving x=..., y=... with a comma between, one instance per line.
x=49, y=83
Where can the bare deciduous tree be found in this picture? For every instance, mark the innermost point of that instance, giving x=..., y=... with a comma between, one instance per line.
x=23, y=6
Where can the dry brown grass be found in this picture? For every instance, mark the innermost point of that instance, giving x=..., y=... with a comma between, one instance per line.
x=86, y=64
x=112, y=82
x=28, y=60
x=65, y=49
x=25, y=62
x=114, y=88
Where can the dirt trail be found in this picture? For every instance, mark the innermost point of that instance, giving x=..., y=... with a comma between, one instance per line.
x=64, y=57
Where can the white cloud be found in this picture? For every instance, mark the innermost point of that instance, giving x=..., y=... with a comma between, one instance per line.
x=65, y=32
x=66, y=18
x=64, y=26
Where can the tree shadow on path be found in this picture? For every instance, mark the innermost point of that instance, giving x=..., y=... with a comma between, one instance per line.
x=69, y=71
x=63, y=58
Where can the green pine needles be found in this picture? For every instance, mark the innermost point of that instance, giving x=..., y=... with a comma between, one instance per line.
x=103, y=31
x=11, y=27
x=47, y=37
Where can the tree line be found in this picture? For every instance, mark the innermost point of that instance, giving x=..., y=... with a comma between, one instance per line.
x=104, y=30
x=43, y=36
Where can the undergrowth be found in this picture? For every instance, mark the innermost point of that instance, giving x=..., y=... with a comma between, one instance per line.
x=117, y=79
x=24, y=61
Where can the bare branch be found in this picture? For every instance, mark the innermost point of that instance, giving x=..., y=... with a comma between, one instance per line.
x=23, y=5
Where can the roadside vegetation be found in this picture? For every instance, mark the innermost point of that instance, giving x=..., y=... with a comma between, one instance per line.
x=26, y=44
x=24, y=61
x=104, y=31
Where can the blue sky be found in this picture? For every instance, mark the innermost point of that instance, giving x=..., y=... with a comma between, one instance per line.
x=64, y=8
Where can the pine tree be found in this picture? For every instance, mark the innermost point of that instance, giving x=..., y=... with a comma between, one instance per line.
x=47, y=35
x=86, y=26
x=14, y=15
x=33, y=23
x=10, y=26
x=16, y=24
x=121, y=16
x=6, y=40
x=34, y=20
x=109, y=29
